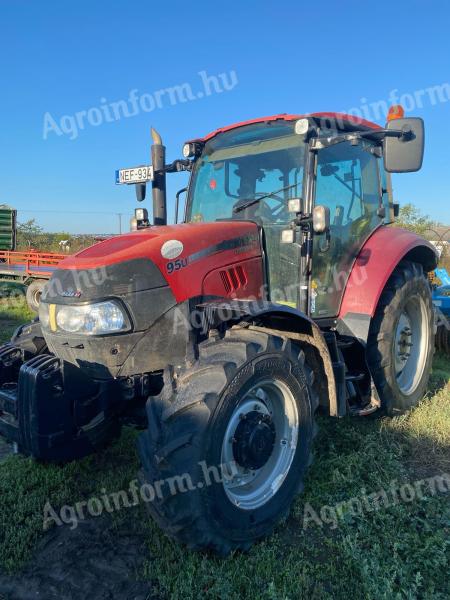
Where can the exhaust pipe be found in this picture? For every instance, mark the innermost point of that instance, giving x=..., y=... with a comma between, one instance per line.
x=158, y=151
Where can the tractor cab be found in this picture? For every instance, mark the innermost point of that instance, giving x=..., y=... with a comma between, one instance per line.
x=263, y=172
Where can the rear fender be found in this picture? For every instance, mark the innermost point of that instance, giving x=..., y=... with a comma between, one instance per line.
x=377, y=260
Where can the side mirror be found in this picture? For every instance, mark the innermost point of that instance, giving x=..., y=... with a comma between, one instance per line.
x=321, y=219
x=141, y=188
x=404, y=154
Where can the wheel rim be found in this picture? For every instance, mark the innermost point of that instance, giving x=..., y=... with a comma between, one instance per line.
x=411, y=345
x=260, y=444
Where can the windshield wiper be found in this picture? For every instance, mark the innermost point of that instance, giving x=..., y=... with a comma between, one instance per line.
x=255, y=200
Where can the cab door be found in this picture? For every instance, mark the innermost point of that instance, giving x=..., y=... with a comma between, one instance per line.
x=348, y=183
x=283, y=260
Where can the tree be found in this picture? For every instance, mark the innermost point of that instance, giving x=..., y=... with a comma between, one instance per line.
x=29, y=235
x=411, y=218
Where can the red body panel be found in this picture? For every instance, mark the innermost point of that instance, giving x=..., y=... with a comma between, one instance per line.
x=375, y=263
x=207, y=247
x=351, y=119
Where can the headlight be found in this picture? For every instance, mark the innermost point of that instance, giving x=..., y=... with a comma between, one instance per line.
x=187, y=150
x=88, y=319
x=192, y=149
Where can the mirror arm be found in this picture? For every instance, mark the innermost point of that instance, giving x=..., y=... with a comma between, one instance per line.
x=354, y=137
x=178, y=165
x=385, y=133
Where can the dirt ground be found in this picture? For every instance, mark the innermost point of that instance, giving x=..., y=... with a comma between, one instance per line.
x=70, y=564
x=95, y=561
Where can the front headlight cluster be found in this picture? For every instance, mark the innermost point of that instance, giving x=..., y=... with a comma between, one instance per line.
x=88, y=319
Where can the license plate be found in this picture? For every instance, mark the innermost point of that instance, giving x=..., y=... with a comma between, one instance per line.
x=134, y=175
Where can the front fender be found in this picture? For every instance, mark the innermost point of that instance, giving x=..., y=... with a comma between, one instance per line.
x=282, y=320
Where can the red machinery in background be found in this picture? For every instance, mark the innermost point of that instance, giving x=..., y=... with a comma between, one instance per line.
x=32, y=269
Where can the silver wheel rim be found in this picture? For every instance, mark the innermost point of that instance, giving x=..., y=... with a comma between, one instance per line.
x=411, y=345
x=252, y=488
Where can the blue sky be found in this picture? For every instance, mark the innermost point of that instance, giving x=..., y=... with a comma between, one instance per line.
x=61, y=58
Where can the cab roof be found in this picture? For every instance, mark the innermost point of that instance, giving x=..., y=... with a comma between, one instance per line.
x=346, y=122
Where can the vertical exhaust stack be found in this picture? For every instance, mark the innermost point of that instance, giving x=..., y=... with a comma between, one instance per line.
x=158, y=151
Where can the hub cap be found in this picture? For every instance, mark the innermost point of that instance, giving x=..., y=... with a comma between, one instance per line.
x=254, y=440
x=411, y=345
x=260, y=442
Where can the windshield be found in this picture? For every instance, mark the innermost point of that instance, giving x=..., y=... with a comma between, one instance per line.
x=264, y=159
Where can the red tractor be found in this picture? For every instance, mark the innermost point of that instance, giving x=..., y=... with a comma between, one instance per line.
x=284, y=292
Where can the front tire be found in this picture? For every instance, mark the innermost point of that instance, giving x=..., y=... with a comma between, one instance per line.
x=400, y=346
x=246, y=402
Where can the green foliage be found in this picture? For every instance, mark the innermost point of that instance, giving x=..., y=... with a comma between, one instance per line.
x=29, y=235
x=412, y=219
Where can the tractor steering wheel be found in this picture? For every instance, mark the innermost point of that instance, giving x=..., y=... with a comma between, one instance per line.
x=265, y=211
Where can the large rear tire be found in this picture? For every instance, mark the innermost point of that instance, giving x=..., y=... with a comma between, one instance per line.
x=401, y=339
x=229, y=440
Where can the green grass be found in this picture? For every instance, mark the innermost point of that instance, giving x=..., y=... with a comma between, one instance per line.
x=401, y=551
x=13, y=310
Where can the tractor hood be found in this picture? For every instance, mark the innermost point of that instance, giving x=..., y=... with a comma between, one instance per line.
x=176, y=255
